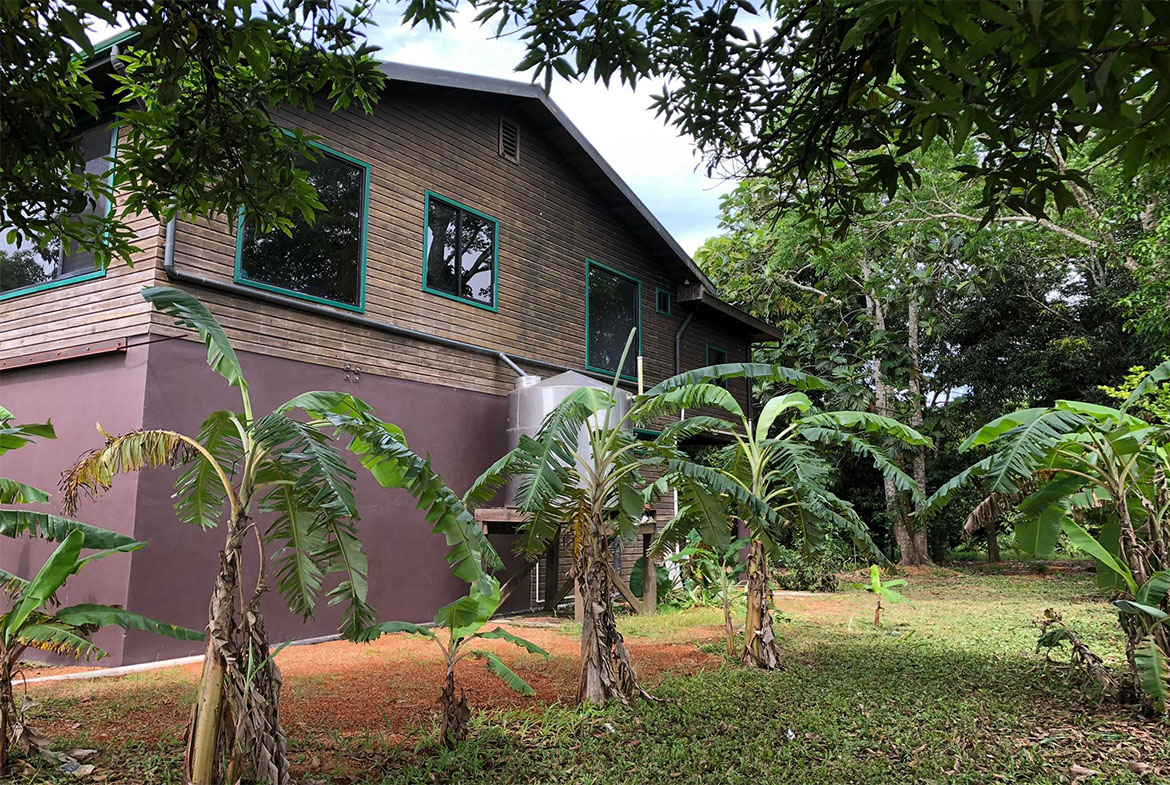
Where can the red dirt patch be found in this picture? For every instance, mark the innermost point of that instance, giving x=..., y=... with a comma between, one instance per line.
x=347, y=688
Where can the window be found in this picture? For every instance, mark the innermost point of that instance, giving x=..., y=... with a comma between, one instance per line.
x=509, y=140
x=324, y=261
x=717, y=356
x=28, y=268
x=460, y=252
x=662, y=301
x=613, y=307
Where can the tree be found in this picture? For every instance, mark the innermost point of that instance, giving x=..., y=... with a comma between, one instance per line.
x=291, y=470
x=30, y=621
x=194, y=85
x=788, y=470
x=1075, y=461
x=463, y=620
x=828, y=99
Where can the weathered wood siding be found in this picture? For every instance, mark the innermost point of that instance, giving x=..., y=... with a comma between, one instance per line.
x=86, y=312
x=550, y=223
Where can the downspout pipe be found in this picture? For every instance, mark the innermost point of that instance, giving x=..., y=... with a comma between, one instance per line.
x=174, y=274
x=678, y=342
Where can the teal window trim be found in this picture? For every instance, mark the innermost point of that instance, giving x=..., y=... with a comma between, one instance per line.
x=647, y=433
x=589, y=265
x=495, y=306
x=243, y=280
x=658, y=292
x=72, y=279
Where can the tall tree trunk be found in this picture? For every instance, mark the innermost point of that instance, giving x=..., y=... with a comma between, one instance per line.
x=895, y=510
x=606, y=671
x=759, y=642
x=992, y=530
x=918, y=526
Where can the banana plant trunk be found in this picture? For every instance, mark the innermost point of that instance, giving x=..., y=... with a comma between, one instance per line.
x=456, y=715
x=240, y=678
x=759, y=645
x=7, y=712
x=207, y=723
x=728, y=627
x=606, y=671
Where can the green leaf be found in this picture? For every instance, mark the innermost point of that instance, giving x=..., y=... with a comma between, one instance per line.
x=506, y=674
x=502, y=634
x=13, y=437
x=1138, y=609
x=13, y=492
x=199, y=492
x=1085, y=541
x=1147, y=383
x=1153, y=670
x=689, y=396
x=190, y=313
x=60, y=565
x=1155, y=589
x=389, y=628
x=16, y=523
x=872, y=423
x=58, y=639
x=777, y=406
x=107, y=616
x=297, y=529
x=466, y=615
x=755, y=371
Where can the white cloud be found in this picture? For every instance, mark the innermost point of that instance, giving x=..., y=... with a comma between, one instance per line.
x=658, y=164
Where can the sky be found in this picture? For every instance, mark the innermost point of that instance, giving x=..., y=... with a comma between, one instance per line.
x=661, y=167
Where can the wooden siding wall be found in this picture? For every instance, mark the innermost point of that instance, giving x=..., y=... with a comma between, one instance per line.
x=79, y=314
x=550, y=222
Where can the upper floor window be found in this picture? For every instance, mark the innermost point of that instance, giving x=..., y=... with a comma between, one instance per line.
x=717, y=356
x=28, y=267
x=460, y=252
x=662, y=301
x=324, y=261
x=613, y=307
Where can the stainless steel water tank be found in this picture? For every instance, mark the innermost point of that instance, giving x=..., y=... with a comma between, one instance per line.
x=533, y=398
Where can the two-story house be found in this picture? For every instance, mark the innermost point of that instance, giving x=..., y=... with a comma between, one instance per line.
x=471, y=234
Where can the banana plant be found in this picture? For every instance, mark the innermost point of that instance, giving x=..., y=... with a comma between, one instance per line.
x=782, y=459
x=1073, y=461
x=594, y=485
x=882, y=590
x=719, y=571
x=293, y=471
x=29, y=620
x=462, y=623
x=32, y=622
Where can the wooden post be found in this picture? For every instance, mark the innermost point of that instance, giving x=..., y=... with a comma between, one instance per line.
x=552, y=569
x=649, y=577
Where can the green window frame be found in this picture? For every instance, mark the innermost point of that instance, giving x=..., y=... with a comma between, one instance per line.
x=241, y=278
x=459, y=207
x=662, y=296
x=72, y=279
x=590, y=264
x=717, y=355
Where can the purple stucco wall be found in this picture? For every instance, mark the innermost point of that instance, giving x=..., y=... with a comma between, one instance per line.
x=76, y=395
x=172, y=576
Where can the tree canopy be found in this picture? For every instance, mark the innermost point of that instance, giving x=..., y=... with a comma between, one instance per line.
x=194, y=85
x=830, y=99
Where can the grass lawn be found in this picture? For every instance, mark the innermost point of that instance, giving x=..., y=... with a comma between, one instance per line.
x=948, y=691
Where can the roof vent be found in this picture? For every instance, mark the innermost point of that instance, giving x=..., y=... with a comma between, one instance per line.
x=509, y=140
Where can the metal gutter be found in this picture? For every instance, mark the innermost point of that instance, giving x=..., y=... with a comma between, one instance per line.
x=511, y=360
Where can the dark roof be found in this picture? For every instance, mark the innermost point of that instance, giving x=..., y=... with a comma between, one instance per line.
x=542, y=112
